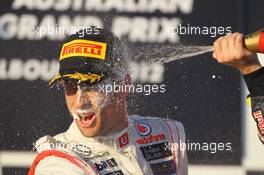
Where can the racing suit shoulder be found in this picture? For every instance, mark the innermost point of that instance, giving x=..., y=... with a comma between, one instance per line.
x=55, y=165
x=150, y=118
x=157, y=120
x=59, y=162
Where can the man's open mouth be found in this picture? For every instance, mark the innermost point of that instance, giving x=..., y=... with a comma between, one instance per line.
x=86, y=119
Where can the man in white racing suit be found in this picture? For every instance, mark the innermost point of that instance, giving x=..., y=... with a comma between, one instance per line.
x=102, y=138
x=127, y=152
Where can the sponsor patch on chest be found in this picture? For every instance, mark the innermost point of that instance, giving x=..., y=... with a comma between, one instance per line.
x=156, y=151
x=162, y=168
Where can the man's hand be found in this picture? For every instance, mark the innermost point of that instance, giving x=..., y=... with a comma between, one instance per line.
x=229, y=50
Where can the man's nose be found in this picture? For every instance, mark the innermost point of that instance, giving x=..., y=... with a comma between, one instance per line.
x=82, y=99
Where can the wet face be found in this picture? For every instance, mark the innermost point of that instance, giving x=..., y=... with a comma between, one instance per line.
x=95, y=112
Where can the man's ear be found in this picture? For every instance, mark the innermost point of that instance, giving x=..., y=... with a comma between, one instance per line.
x=128, y=80
x=125, y=86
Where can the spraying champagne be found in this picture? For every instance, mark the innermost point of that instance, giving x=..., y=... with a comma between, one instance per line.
x=167, y=53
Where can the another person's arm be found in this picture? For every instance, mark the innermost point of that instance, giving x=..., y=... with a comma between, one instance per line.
x=255, y=84
x=229, y=50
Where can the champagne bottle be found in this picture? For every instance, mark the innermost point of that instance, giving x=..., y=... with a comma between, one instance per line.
x=254, y=42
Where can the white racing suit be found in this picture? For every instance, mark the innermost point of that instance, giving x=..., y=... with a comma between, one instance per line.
x=148, y=146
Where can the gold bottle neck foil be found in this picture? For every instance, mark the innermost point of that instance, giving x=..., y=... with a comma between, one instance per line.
x=252, y=41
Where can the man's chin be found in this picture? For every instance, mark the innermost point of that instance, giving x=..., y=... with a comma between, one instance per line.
x=91, y=131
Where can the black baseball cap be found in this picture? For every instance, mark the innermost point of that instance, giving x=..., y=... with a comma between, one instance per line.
x=89, y=56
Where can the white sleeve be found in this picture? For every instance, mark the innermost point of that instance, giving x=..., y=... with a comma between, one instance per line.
x=183, y=169
x=53, y=165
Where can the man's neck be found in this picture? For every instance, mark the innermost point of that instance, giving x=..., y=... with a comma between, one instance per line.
x=120, y=121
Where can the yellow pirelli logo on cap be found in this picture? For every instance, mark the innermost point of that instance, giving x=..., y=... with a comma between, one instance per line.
x=83, y=48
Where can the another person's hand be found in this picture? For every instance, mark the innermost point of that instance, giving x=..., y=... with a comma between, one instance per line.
x=229, y=50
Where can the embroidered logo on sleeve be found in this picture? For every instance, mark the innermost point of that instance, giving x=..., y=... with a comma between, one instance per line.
x=259, y=120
